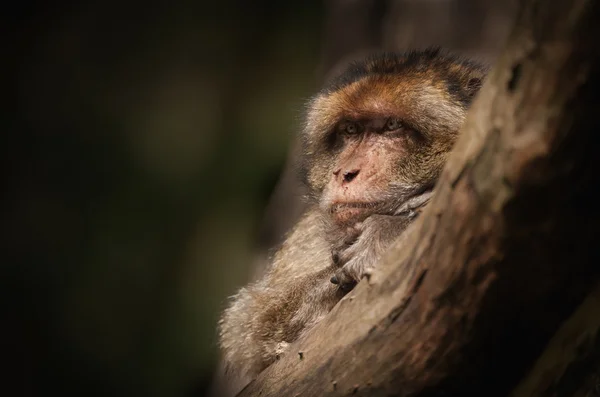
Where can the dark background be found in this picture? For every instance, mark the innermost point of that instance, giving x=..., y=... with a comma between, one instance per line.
x=143, y=143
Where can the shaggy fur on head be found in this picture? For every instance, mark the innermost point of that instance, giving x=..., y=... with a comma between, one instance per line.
x=429, y=90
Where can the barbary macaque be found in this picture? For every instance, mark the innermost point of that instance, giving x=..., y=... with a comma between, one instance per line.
x=375, y=140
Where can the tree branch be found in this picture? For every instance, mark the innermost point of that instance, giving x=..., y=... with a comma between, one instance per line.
x=503, y=254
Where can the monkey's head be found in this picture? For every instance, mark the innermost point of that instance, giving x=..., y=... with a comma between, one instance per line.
x=380, y=133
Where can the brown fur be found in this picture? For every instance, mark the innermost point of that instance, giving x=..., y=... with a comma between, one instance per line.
x=393, y=174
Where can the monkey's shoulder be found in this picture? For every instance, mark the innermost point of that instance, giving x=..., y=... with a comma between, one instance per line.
x=305, y=248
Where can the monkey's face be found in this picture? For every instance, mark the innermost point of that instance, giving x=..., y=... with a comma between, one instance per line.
x=372, y=170
x=375, y=143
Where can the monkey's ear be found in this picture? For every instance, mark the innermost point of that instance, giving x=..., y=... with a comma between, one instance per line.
x=473, y=85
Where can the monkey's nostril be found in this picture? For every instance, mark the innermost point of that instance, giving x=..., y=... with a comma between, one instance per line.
x=350, y=175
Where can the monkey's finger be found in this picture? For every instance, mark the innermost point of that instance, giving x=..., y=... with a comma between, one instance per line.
x=368, y=272
x=352, y=237
x=344, y=280
x=335, y=258
x=347, y=287
x=346, y=255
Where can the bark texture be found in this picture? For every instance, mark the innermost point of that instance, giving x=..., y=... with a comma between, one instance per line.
x=504, y=254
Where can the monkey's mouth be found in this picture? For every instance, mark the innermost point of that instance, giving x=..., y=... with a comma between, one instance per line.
x=352, y=212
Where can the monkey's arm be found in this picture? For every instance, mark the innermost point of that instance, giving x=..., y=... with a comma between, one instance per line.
x=295, y=294
x=357, y=259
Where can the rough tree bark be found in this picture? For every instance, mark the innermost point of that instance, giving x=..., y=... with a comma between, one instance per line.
x=497, y=292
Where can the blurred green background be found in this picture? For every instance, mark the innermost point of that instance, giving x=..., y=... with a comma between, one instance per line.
x=143, y=143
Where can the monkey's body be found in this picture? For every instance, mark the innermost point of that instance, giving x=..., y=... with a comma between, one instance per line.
x=375, y=142
x=295, y=293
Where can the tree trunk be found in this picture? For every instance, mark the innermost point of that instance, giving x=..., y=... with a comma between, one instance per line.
x=472, y=304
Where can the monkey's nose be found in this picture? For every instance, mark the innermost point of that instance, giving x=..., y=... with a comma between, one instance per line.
x=350, y=175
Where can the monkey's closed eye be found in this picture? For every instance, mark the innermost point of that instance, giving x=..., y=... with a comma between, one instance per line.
x=393, y=125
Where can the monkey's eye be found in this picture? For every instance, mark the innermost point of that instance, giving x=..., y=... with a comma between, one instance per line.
x=351, y=128
x=393, y=124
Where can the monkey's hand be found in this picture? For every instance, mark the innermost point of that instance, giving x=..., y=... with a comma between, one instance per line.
x=372, y=237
